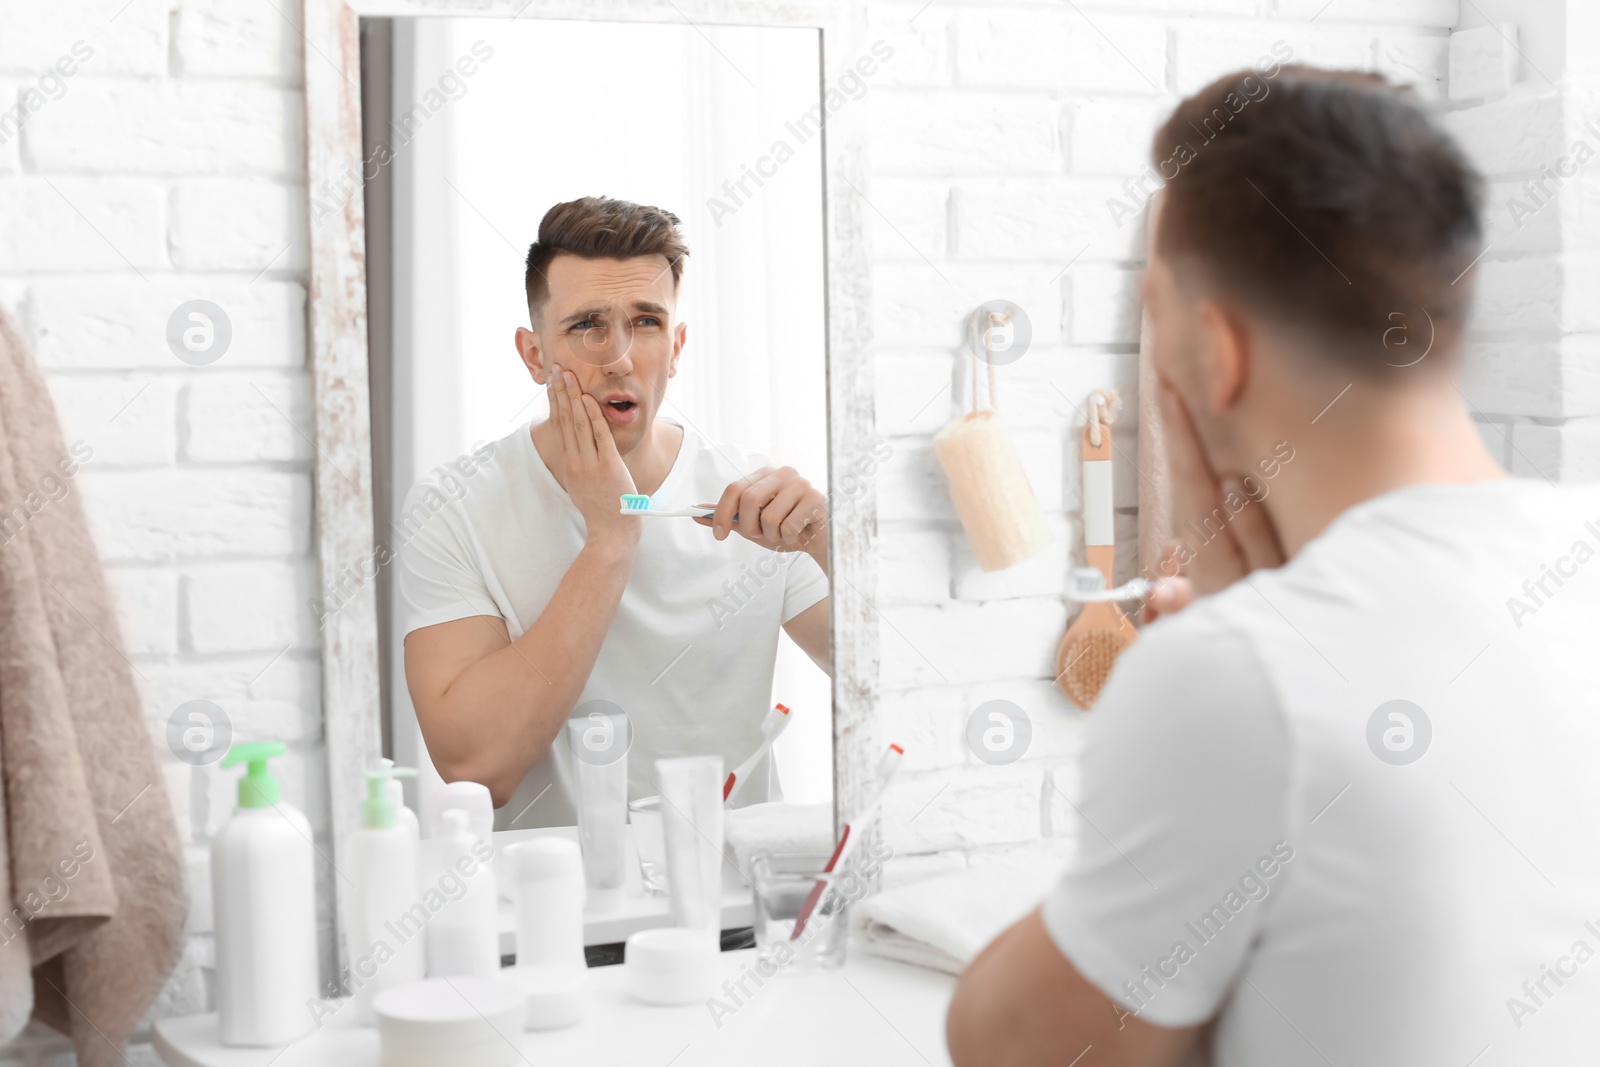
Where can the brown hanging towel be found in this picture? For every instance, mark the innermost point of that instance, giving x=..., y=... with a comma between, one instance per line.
x=91, y=869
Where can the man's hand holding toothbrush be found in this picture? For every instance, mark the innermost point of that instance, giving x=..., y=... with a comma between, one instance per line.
x=777, y=509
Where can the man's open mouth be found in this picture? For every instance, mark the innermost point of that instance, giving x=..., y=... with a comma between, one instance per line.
x=620, y=410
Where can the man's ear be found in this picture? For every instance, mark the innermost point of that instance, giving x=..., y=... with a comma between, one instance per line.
x=532, y=355
x=1225, y=351
x=679, y=337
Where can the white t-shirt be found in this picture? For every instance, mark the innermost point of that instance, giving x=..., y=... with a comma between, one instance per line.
x=1245, y=852
x=690, y=653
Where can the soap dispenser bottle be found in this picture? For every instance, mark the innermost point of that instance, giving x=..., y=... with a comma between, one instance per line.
x=264, y=899
x=397, y=796
x=386, y=920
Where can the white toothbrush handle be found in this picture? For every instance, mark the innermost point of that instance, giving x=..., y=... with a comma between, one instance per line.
x=742, y=773
x=676, y=513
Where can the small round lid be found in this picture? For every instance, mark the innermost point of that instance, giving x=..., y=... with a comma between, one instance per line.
x=442, y=1001
x=668, y=947
x=544, y=857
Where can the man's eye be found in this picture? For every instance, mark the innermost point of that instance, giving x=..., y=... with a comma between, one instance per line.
x=586, y=324
x=649, y=320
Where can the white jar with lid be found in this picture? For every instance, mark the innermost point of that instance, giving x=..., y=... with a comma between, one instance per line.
x=671, y=965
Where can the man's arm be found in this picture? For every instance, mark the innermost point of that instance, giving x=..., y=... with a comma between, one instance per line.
x=1182, y=804
x=490, y=707
x=809, y=630
x=1021, y=1003
x=781, y=511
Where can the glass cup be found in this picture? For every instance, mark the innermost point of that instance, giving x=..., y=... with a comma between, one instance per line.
x=784, y=887
x=644, y=815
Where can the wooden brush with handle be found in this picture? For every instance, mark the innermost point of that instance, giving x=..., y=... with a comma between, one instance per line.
x=1101, y=631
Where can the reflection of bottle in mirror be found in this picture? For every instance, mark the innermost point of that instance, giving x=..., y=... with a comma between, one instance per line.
x=599, y=741
x=404, y=816
x=385, y=929
x=463, y=935
x=264, y=895
x=470, y=797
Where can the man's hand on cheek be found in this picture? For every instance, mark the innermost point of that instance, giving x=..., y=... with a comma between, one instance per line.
x=592, y=471
x=1241, y=537
x=778, y=510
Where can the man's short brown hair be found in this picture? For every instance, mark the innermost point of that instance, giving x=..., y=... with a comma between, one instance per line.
x=1330, y=204
x=598, y=227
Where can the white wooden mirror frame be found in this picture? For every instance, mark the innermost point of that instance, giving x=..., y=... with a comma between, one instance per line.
x=337, y=320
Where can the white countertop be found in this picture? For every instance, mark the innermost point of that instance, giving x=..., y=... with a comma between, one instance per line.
x=639, y=911
x=869, y=1011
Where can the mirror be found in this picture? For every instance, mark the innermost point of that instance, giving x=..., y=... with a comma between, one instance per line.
x=677, y=173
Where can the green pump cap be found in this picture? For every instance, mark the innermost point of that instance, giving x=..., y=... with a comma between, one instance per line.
x=259, y=787
x=377, y=809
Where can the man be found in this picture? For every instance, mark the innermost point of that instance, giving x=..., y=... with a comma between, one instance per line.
x=531, y=596
x=1343, y=809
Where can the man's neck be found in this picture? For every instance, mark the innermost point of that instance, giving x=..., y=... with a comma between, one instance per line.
x=1369, y=442
x=653, y=459
x=648, y=464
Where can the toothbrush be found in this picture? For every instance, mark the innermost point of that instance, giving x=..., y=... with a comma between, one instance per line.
x=887, y=768
x=771, y=727
x=639, y=504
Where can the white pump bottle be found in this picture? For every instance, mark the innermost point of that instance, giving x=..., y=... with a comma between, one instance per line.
x=264, y=896
x=387, y=920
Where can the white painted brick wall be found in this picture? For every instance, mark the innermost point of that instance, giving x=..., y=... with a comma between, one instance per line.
x=69, y=223
x=119, y=323
x=243, y=225
x=172, y=168
x=168, y=167
x=248, y=419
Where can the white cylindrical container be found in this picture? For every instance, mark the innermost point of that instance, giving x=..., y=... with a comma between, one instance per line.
x=547, y=875
x=464, y=934
x=264, y=900
x=691, y=816
x=557, y=997
x=387, y=918
x=599, y=743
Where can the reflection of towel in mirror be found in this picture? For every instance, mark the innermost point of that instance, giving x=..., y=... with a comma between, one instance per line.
x=942, y=923
x=91, y=870
x=778, y=828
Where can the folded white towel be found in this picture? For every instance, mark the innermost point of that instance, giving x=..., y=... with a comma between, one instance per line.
x=942, y=923
x=779, y=828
